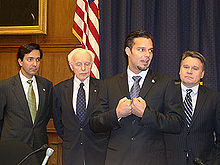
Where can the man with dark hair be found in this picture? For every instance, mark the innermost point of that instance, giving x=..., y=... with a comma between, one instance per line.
x=202, y=116
x=132, y=108
x=26, y=101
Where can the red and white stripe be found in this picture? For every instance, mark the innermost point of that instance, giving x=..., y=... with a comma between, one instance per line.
x=86, y=29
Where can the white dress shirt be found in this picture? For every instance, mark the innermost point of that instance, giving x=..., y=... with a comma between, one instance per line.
x=76, y=85
x=26, y=86
x=193, y=94
x=131, y=80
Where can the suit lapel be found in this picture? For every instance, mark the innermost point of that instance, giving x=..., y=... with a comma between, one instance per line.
x=123, y=84
x=92, y=98
x=68, y=95
x=42, y=94
x=18, y=90
x=180, y=97
x=179, y=91
x=202, y=95
x=149, y=81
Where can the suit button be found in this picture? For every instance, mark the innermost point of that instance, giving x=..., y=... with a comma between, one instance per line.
x=133, y=122
x=133, y=138
x=81, y=143
x=81, y=129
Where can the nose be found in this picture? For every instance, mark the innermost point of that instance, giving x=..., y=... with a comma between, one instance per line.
x=189, y=70
x=35, y=62
x=147, y=54
x=83, y=67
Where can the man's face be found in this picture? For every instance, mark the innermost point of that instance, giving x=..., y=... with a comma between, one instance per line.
x=30, y=64
x=191, y=72
x=141, y=54
x=81, y=65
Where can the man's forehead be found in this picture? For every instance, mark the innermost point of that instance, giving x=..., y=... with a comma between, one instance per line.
x=82, y=57
x=33, y=55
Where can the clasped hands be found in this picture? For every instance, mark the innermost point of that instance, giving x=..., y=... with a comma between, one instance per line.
x=127, y=107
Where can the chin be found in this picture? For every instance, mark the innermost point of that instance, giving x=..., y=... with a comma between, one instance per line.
x=142, y=68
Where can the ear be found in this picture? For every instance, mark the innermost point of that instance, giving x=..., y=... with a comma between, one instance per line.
x=71, y=67
x=128, y=51
x=20, y=62
x=203, y=73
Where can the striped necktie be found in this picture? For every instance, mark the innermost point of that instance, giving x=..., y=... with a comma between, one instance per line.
x=32, y=100
x=135, y=89
x=188, y=106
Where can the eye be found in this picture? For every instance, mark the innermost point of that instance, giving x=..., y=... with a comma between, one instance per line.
x=195, y=68
x=78, y=64
x=185, y=66
x=29, y=59
x=87, y=63
x=150, y=50
x=140, y=49
x=38, y=59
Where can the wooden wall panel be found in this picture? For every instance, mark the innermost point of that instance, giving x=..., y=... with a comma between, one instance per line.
x=58, y=42
x=58, y=69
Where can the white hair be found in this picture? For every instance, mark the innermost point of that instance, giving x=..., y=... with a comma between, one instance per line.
x=77, y=50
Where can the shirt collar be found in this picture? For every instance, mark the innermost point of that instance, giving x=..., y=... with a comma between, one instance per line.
x=194, y=89
x=25, y=79
x=77, y=81
x=142, y=73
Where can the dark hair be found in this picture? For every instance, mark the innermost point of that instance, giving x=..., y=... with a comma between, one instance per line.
x=129, y=42
x=194, y=54
x=28, y=48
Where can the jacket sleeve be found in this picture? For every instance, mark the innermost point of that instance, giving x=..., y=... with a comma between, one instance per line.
x=57, y=112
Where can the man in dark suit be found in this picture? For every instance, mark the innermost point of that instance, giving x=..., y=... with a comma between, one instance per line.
x=202, y=116
x=71, y=113
x=137, y=121
x=26, y=99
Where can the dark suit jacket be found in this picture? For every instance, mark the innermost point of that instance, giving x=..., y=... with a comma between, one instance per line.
x=198, y=139
x=15, y=113
x=136, y=140
x=79, y=142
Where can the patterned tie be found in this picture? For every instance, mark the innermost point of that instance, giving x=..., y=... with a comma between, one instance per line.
x=81, y=104
x=135, y=89
x=188, y=107
x=32, y=100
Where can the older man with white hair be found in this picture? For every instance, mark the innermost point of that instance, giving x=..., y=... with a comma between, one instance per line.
x=73, y=103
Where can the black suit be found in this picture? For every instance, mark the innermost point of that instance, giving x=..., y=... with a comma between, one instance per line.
x=15, y=113
x=198, y=139
x=136, y=140
x=79, y=142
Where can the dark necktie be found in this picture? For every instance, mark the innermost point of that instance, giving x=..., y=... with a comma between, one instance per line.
x=81, y=104
x=135, y=89
x=188, y=106
x=32, y=101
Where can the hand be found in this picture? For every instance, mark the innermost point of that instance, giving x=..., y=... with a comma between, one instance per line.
x=138, y=106
x=124, y=107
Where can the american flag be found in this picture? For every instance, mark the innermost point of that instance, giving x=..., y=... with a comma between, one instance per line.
x=86, y=29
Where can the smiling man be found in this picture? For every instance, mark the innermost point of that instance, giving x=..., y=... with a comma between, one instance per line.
x=73, y=104
x=202, y=116
x=26, y=101
x=136, y=107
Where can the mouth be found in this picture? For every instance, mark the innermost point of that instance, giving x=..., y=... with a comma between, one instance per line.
x=188, y=77
x=145, y=62
x=83, y=74
x=34, y=69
